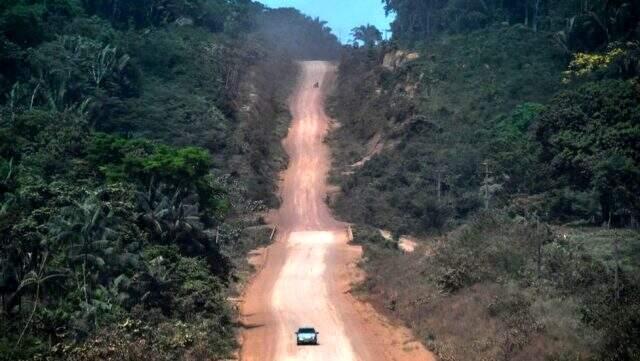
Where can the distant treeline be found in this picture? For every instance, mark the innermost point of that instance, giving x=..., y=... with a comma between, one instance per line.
x=582, y=24
x=307, y=38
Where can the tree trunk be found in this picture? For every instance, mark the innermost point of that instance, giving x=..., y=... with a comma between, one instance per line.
x=114, y=10
x=616, y=256
x=33, y=96
x=439, y=185
x=537, y=233
x=534, y=20
x=84, y=279
x=605, y=207
x=14, y=300
x=485, y=184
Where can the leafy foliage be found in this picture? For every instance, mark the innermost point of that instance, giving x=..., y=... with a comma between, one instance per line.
x=440, y=126
x=579, y=25
x=513, y=286
x=495, y=131
x=590, y=137
x=368, y=34
x=145, y=161
x=136, y=144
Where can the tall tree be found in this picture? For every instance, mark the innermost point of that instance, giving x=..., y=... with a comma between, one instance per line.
x=368, y=34
x=591, y=139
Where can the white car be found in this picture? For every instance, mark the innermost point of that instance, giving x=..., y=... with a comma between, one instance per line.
x=307, y=336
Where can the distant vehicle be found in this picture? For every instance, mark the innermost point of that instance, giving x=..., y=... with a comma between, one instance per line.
x=307, y=336
x=316, y=85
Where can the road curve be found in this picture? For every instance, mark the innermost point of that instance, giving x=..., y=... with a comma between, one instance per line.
x=307, y=274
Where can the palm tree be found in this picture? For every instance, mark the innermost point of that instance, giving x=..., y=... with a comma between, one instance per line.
x=88, y=230
x=170, y=218
x=154, y=207
x=367, y=34
x=5, y=179
x=35, y=278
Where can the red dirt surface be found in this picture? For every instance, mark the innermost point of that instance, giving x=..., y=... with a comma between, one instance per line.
x=308, y=272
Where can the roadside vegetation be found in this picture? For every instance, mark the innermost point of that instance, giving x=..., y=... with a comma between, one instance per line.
x=504, y=135
x=139, y=142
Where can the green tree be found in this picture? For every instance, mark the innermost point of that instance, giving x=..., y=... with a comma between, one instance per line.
x=120, y=158
x=24, y=25
x=514, y=150
x=88, y=231
x=590, y=138
x=368, y=34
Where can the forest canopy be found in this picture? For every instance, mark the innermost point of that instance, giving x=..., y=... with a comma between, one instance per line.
x=490, y=150
x=580, y=24
x=130, y=165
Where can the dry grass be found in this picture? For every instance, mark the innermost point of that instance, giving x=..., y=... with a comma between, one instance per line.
x=488, y=320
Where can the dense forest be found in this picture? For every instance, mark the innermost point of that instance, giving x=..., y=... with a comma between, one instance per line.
x=505, y=136
x=139, y=140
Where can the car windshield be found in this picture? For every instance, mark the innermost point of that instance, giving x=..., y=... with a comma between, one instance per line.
x=307, y=330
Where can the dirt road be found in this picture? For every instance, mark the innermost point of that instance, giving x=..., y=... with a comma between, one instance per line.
x=307, y=273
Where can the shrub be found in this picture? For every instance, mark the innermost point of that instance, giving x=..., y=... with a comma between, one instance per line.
x=16, y=19
x=121, y=158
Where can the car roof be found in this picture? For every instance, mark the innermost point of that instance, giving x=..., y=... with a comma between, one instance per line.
x=307, y=329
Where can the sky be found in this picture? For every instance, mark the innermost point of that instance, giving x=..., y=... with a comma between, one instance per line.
x=341, y=15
